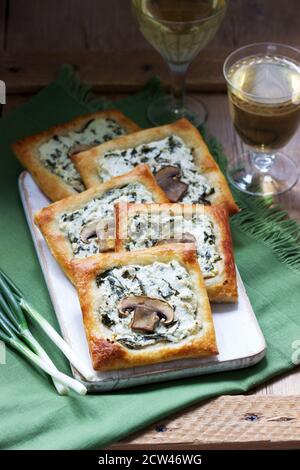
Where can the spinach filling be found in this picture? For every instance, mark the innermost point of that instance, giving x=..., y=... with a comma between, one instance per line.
x=170, y=151
x=54, y=154
x=99, y=208
x=169, y=282
x=146, y=230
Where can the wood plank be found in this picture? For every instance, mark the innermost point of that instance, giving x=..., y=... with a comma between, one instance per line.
x=3, y=23
x=120, y=31
x=110, y=26
x=287, y=384
x=120, y=59
x=267, y=20
x=27, y=72
x=52, y=23
x=229, y=422
x=93, y=24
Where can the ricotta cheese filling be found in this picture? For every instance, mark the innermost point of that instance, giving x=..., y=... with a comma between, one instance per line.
x=170, y=282
x=169, y=151
x=54, y=153
x=99, y=208
x=146, y=230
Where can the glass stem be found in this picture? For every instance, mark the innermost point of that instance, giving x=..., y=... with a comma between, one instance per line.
x=262, y=161
x=178, y=74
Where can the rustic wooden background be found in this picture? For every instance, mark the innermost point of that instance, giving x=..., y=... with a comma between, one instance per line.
x=107, y=25
x=102, y=39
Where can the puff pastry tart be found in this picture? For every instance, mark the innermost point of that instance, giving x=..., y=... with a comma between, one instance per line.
x=47, y=155
x=83, y=224
x=176, y=154
x=144, y=307
x=141, y=226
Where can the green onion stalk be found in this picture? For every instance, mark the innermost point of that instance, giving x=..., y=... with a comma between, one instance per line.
x=15, y=320
x=14, y=331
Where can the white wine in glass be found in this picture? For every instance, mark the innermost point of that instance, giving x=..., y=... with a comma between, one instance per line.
x=263, y=83
x=178, y=30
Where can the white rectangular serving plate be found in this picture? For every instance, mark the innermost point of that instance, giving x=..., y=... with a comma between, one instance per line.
x=239, y=337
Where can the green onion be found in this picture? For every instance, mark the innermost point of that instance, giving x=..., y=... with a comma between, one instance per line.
x=19, y=325
x=15, y=332
x=48, y=329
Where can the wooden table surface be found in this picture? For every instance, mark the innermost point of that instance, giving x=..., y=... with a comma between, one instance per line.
x=102, y=40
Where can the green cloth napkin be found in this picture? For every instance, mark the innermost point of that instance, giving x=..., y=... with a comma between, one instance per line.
x=32, y=415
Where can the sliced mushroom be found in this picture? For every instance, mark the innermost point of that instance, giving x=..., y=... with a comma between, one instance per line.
x=168, y=179
x=145, y=320
x=105, y=230
x=99, y=229
x=76, y=148
x=89, y=231
x=128, y=304
x=185, y=238
x=106, y=245
x=147, y=307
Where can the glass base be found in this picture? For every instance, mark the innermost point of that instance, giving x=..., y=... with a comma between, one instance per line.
x=161, y=111
x=281, y=176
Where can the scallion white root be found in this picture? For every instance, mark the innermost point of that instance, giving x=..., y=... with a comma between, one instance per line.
x=52, y=371
x=15, y=332
x=57, y=340
x=35, y=345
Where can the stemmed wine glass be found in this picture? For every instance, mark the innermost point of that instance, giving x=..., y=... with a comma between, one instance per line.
x=263, y=82
x=178, y=29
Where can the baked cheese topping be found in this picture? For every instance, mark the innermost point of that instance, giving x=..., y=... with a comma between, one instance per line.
x=54, y=153
x=170, y=282
x=146, y=230
x=165, y=152
x=99, y=208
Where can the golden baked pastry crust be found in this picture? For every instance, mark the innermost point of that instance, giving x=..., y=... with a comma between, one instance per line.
x=47, y=218
x=88, y=162
x=220, y=288
x=107, y=354
x=26, y=150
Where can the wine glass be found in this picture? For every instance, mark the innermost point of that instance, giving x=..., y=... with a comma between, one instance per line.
x=263, y=82
x=178, y=29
